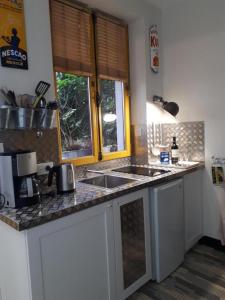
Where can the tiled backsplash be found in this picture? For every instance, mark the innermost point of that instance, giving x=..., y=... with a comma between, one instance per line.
x=46, y=146
x=139, y=140
x=190, y=138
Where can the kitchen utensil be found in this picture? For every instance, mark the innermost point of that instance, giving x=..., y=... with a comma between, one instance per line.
x=65, y=178
x=40, y=91
x=25, y=101
x=52, y=105
x=42, y=103
x=4, y=96
x=3, y=99
x=9, y=97
x=12, y=98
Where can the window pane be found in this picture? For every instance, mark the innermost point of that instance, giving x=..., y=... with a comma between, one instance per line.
x=75, y=117
x=112, y=112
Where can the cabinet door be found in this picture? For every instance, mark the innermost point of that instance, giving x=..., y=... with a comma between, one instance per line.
x=167, y=215
x=193, y=208
x=132, y=242
x=73, y=258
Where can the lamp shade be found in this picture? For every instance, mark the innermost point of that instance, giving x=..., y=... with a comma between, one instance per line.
x=171, y=107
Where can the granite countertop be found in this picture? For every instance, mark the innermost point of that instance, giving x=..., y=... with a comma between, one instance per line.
x=86, y=196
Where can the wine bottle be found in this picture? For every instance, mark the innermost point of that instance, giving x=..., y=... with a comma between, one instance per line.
x=174, y=152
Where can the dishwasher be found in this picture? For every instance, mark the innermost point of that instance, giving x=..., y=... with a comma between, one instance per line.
x=167, y=228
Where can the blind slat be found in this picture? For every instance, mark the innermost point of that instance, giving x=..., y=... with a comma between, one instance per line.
x=71, y=38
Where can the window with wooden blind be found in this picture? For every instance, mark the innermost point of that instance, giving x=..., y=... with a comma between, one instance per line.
x=90, y=57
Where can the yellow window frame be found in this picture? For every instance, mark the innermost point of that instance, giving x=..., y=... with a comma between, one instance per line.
x=127, y=151
x=96, y=128
x=78, y=161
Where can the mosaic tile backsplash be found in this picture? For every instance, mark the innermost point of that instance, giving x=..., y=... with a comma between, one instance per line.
x=47, y=149
x=46, y=146
x=190, y=139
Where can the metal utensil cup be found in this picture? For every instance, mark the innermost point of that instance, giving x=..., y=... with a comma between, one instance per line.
x=4, y=118
x=45, y=118
x=23, y=118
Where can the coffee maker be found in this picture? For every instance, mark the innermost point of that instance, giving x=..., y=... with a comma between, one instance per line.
x=18, y=182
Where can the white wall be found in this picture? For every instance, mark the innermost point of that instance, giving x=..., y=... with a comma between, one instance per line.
x=144, y=83
x=138, y=71
x=139, y=14
x=39, y=52
x=194, y=76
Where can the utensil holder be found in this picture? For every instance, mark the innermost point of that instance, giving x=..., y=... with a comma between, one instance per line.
x=22, y=118
x=5, y=114
x=45, y=118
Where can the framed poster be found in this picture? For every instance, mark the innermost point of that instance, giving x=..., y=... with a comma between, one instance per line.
x=13, y=48
x=154, y=48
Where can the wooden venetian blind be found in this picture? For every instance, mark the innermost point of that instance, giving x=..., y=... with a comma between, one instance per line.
x=71, y=38
x=112, y=49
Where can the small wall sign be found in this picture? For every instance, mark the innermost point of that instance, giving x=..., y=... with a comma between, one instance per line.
x=13, y=48
x=154, y=48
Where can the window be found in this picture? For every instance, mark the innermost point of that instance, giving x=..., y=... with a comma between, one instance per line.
x=90, y=56
x=75, y=119
x=112, y=115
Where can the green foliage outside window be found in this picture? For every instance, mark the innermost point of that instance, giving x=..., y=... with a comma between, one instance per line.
x=73, y=95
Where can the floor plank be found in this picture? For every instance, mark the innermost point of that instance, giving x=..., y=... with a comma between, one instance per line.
x=200, y=277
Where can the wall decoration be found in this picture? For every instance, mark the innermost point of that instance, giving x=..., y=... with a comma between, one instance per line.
x=12, y=34
x=154, y=48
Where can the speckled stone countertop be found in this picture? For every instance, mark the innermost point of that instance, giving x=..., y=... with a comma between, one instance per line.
x=86, y=196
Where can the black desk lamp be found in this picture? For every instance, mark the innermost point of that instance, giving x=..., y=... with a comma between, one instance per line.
x=170, y=107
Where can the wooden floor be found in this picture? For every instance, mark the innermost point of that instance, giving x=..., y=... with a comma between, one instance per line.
x=202, y=276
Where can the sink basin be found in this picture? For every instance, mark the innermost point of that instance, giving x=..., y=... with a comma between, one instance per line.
x=108, y=181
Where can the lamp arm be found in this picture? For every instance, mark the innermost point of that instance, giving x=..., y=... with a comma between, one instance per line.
x=158, y=99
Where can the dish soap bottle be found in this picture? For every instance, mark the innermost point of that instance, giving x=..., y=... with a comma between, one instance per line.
x=174, y=152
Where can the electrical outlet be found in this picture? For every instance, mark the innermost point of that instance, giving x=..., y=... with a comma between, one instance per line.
x=41, y=168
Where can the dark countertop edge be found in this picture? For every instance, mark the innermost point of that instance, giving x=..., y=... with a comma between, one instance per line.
x=113, y=195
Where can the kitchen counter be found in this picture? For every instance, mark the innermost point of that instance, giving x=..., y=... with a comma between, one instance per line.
x=86, y=196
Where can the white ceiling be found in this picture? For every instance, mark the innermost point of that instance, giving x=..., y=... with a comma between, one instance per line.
x=163, y=3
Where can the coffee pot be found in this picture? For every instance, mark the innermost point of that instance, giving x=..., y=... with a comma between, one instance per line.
x=18, y=183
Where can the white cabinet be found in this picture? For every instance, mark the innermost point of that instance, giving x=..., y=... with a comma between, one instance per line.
x=73, y=257
x=193, y=208
x=70, y=258
x=167, y=216
x=132, y=242
x=101, y=253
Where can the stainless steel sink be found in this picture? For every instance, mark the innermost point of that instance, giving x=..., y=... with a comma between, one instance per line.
x=108, y=181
